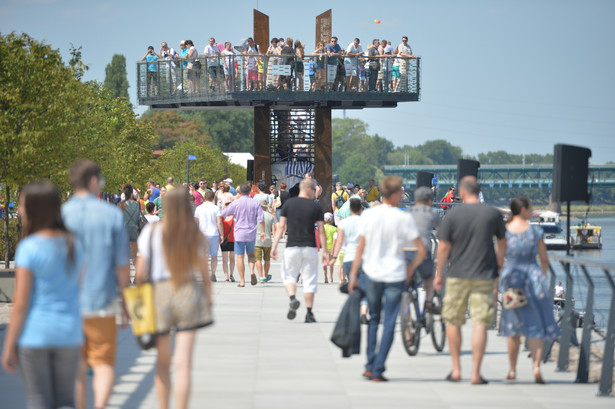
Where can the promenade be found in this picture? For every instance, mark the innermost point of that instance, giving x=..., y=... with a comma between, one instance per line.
x=253, y=357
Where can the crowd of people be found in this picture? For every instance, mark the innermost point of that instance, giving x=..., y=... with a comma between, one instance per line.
x=284, y=65
x=73, y=258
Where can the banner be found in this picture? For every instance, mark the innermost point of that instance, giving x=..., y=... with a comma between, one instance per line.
x=291, y=173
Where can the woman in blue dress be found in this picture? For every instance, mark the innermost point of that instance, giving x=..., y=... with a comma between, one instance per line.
x=535, y=320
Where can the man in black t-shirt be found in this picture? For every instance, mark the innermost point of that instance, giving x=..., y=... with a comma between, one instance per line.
x=301, y=255
x=466, y=236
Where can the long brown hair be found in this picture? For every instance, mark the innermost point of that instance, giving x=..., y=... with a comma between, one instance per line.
x=43, y=211
x=181, y=237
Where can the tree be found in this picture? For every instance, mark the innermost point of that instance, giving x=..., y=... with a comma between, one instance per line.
x=441, y=152
x=230, y=131
x=350, y=137
x=357, y=169
x=171, y=128
x=407, y=155
x=116, y=80
x=210, y=163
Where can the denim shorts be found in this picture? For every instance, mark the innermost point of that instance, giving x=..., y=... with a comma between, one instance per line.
x=242, y=247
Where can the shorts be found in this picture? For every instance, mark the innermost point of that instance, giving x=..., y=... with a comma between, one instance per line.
x=262, y=253
x=339, y=261
x=213, y=243
x=426, y=268
x=229, y=246
x=312, y=78
x=304, y=261
x=479, y=293
x=213, y=71
x=181, y=309
x=252, y=75
x=242, y=247
x=100, y=340
x=395, y=71
x=133, y=233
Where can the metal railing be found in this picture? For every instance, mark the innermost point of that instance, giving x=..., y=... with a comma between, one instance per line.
x=217, y=77
x=593, y=281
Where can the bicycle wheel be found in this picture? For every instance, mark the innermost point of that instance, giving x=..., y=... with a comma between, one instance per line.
x=438, y=327
x=410, y=327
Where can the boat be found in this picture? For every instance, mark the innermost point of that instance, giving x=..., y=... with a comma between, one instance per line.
x=585, y=236
x=554, y=238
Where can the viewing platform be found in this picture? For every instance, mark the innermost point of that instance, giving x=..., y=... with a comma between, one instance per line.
x=284, y=83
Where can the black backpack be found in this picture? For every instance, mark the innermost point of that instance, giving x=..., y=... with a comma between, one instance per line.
x=339, y=200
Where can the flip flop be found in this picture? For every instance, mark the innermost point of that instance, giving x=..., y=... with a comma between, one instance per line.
x=450, y=378
x=482, y=381
x=240, y=285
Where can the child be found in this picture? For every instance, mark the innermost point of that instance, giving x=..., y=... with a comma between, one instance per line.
x=312, y=71
x=261, y=74
x=330, y=233
x=362, y=75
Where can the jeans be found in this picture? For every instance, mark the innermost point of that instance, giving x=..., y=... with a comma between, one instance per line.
x=373, y=80
x=376, y=291
x=362, y=277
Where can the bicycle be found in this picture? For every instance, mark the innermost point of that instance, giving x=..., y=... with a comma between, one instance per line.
x=413, y=318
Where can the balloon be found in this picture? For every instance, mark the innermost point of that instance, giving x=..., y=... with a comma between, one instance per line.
x=377, y=21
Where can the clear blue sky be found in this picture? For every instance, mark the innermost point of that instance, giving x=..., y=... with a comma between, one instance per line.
x=513, y=75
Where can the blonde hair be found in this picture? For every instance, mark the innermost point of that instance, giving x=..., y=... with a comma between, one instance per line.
x=181, y=237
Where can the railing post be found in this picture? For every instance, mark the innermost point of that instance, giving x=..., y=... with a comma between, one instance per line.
x=567, y=326
x=546, y=350
x=585, y=348
x=606, y=377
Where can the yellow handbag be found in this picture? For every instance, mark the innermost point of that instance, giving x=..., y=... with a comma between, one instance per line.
x=139, y=301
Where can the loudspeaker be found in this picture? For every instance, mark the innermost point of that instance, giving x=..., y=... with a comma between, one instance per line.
x=467, y=167
x=250, y=172
x=423, y=179
x=570, y=169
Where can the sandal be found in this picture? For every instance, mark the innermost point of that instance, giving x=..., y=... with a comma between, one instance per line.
x=511, y=376
x=481, y=381
x=538, y=377
x=450, y=378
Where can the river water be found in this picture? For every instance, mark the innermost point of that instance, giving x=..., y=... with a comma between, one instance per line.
x=606, y=256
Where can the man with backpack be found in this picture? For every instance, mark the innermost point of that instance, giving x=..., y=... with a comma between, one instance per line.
x=338, y=198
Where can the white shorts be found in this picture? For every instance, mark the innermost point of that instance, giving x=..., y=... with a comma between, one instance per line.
x=302, y=260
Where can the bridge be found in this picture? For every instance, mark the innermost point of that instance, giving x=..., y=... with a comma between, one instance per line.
x=498, y=176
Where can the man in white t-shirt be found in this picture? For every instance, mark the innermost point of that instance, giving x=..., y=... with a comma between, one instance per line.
x=212, y=53
x=210, y=224
x=384, y=233
x=405, y=52
x=353, y=52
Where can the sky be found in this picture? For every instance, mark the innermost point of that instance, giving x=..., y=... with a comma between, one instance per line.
x=512, y=75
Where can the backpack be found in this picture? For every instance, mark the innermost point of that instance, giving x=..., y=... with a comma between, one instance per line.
x=339, y=200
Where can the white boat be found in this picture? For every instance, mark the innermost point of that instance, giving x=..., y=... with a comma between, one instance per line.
x=554, y=238
x=586, y=236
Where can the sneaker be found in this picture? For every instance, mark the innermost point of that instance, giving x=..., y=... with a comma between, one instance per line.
x=227, y=281
x=268, y=278
x=368, y=374
x=262, y=281
x=380, y=378
x=309, y=317
x=213, y=278
x=364, y=319
x=253, y=279
x=292, y=311
x=232, y=279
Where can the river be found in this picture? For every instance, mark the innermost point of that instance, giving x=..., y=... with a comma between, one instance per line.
x=606, y=256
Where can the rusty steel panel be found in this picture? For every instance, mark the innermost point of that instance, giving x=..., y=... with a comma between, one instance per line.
x=261, y=30
x=323, y=155
x=323, y=28
x=262, y=159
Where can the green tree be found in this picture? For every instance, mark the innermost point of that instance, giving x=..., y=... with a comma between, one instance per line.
x=210, y=163
x=350, y=137
x=116, y=80
x=171, y=128
x=440, y=152
x=407, y=155
x=357, y=169
x=230, y=131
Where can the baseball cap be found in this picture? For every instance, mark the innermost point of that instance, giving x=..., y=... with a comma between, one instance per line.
x=328, y=216
x=229, y=180
x=350, y=185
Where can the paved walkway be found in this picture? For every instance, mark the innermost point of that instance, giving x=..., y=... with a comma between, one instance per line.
x=253, y=357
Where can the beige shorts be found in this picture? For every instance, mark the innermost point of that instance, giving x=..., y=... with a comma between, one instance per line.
x=479, y=294
x=262, y=253
x=180, y=309
x=100, y=340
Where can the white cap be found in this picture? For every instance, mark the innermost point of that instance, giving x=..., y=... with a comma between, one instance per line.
x=229, y=180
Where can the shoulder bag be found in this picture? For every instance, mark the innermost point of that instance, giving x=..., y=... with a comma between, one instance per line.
x=139, y=302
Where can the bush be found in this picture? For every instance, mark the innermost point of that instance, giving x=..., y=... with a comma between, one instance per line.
x=13, y=238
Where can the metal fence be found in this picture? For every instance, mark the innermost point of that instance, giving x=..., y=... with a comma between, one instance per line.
x=586, y=282
x=292, y=135
x=217, y=77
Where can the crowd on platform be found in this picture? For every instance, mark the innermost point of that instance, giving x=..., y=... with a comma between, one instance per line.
x=283, y=66
x=73, y=258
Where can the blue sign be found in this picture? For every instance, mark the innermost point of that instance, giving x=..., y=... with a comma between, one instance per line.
x=191, y=157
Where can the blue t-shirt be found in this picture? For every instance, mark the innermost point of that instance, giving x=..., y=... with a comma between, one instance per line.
x=336, y=49
x=232, y=190
x=99, y=226
x=151, y=58
x=184, y=53
x=53, y=319
x=312, y=68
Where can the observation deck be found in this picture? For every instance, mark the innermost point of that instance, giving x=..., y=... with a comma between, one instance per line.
x=284, y=82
